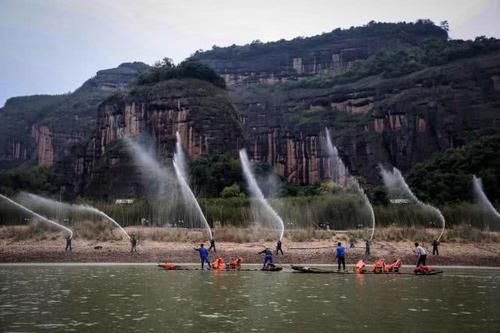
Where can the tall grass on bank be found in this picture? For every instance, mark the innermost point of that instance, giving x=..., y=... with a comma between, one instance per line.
x=97, y=232
x=338, y=211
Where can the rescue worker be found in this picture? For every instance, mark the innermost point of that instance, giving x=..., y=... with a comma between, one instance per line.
x=421, y=254
x=218, y=264
x=212, y=245
x=133, y=243
x=268, y=256
x=340, y=254
x=379, y=266
x=278, y=247
x=203, y=255
x=235, y=263
x=360, y=267
x=435, y=250
x=68, y=244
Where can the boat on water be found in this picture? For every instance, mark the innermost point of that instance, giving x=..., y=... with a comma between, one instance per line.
x=315, y=270
x=175, y=267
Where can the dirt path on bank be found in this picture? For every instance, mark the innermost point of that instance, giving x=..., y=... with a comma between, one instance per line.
x=313, y=252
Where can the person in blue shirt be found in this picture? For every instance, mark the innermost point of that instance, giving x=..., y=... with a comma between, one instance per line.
x=268, y=256
x=203, y=256
x=340, y=256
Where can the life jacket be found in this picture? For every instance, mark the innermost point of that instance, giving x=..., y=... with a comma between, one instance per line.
x=423, y=270
x=378, y=266
x=218, y=264
x=168, y=266
x=236, y=262
x=360, y=267
x=395, y=266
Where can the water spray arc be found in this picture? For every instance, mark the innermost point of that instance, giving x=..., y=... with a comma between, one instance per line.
x=343, y=173
x=179, y=163
x=38, y=215
x=482, y=198
x=256, y=193
x=81, y=208
x=394, y=179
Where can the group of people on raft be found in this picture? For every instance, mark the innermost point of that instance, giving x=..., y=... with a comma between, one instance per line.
x=380, y=266
x=234, y=263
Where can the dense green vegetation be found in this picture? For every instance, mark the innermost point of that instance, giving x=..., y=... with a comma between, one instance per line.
x=166, y=70
x=34, y=179
x=405, y=59
x=212, y=174
x=407, y=31
x=447, y=178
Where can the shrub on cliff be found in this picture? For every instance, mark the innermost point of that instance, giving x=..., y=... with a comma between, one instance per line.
x=166, y=70
x=34, y=179
x=448, y=177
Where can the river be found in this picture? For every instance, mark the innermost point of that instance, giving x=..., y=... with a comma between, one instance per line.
x=144, y=298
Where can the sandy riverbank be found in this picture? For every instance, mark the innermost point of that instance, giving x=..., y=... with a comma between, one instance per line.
x=311, y=252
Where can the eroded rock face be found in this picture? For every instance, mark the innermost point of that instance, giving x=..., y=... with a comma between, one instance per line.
x=329, y=54
x=202, y=114
x=398, y=121
x=43, y=130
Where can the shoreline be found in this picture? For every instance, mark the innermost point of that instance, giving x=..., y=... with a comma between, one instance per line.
x=318, y=252
x=196, y=264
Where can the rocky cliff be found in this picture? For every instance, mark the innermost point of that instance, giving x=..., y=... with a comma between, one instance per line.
x=418, y=95
x=203, y=115
x=331, y=53
x=42, y=129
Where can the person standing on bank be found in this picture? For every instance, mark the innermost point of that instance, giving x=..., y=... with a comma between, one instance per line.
x=435, y=250
x=421, y=254
x=278, y=247
x=68, y=244
x=340, y=255
x=367, y=247
x=133, y=243
x=212, y=245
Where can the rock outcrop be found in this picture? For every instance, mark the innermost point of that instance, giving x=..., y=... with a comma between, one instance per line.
x=287, y=95
x=202, y=114
x=43, y=129
x=329, y=54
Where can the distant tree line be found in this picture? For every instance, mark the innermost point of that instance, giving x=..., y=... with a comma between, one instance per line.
x=406, y=30
x=447, y=178
x=405, y=59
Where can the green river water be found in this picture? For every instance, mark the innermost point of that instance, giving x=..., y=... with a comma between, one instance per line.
x=144, y=298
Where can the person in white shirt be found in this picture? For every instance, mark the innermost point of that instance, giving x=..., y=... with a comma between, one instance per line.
x=421, y=254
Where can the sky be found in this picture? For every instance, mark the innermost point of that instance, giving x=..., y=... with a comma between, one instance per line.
x=53, y=46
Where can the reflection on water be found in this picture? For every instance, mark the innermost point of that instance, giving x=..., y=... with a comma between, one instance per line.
x=144, y=298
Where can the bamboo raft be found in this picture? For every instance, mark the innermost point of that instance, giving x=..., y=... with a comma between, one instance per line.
x=185, y=268
x=295, y=269
x=314, y=270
